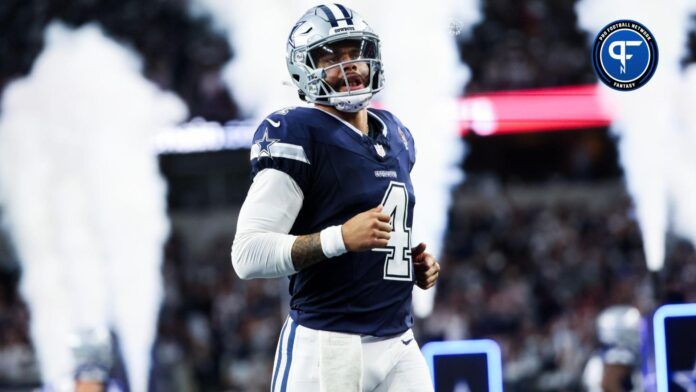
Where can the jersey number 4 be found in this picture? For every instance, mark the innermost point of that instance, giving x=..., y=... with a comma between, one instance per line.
x=397, y=263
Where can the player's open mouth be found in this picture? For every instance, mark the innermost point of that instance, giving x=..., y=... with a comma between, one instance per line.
x=355, y=82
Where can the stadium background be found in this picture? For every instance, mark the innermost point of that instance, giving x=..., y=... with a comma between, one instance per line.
x=541, y=233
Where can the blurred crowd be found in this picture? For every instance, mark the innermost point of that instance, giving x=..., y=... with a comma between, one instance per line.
x=526, y=44
x=530, y=267
x=181, y=51
x=18, y=366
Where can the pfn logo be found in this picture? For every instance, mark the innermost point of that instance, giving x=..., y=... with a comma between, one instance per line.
x=621, y=55
x=624, y=55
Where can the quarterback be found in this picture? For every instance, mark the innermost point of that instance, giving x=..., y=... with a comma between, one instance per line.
x=331, y=207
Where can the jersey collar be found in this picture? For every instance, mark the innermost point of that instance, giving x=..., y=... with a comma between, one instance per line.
x=349, y=125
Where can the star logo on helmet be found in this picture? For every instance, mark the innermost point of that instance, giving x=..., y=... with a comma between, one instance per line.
x=265, y=144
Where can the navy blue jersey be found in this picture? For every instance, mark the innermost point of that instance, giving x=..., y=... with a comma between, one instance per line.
x=343, y=173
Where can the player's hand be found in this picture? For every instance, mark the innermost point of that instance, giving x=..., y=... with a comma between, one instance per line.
x=367, y=230
x=427, y=269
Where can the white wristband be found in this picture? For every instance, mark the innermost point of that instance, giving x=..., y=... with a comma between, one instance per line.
x=332, y=241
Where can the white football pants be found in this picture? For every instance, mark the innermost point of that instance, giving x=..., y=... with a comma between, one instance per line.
x=309, y=360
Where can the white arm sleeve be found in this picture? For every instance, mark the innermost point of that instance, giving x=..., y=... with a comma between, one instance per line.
x=262, y=246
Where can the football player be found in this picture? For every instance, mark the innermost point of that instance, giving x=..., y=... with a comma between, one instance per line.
x=615, y=367
x=331, y=207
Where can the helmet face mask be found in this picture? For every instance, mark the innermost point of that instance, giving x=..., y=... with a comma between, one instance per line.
x=334, y=65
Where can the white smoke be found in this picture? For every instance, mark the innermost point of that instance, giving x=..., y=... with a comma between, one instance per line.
x=258, y=30
x=654, y=123
x=83, y=199
x=423, y=73
x=685, y=176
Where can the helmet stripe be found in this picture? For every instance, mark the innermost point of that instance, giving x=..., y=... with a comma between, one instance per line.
x=346, y=14
x=330, y=15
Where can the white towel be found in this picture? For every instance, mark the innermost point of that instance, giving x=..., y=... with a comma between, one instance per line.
x=340, y=362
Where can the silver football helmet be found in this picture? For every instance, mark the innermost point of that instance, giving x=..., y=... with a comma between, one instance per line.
x=619, y=326
x=333, y=57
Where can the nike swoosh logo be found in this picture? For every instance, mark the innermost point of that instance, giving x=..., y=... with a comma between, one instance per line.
x=275, y=124
x=406, y=342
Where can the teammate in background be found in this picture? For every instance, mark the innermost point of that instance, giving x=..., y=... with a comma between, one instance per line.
x=616, y=365
x=331, y=207
x=97, y=368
